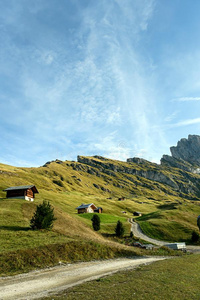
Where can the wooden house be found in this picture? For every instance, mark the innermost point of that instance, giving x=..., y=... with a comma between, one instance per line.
x=26, y=192
x=86, y=208
x=137, y=213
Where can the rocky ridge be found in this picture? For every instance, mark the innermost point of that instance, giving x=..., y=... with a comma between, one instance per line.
x=186, y=155
x=177, y=175
x=179, y=172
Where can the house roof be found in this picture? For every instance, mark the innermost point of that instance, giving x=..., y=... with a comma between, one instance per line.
x=22, y=187
x=86, y=206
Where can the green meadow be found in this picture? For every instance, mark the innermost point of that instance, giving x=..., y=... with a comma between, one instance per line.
x=66, y=185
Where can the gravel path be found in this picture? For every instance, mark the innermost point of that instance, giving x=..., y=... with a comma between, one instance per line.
x=45, y=282
x=137, y=231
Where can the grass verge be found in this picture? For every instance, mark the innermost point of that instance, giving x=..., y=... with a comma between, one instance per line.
x=25, y=260
x=50, y=255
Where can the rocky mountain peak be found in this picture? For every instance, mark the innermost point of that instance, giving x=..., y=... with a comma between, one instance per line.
x=186, y=155
x=188, y=150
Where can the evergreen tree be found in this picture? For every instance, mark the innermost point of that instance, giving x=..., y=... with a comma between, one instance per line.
x=198, y=222
x=195, y=236
x=119, y=229
x=96, y=222
x=43, y=217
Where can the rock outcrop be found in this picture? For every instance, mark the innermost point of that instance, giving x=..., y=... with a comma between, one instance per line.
x=188, y=150
x=177, y=173
x=135, y=169
x=185, y=156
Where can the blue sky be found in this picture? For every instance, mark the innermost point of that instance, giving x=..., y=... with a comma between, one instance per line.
x=117, y=78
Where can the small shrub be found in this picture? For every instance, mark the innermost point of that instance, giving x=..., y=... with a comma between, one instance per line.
x=43, y=217
x=195, y=236
x=119, y=229
x=96, y=222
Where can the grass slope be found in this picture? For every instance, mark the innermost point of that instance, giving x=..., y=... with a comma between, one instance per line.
x=68, y=184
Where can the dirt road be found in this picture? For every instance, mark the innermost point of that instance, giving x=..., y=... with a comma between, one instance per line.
x=44, y=282
x=137, y=231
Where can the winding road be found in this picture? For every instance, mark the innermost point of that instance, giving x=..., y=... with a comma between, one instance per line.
x=137, y=232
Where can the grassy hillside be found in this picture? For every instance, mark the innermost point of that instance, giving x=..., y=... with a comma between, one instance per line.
x=66, y=185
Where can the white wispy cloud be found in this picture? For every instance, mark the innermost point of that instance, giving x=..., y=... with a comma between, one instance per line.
x=186, y=122
x=183, y=99
x=85, y=86
x=171, y=117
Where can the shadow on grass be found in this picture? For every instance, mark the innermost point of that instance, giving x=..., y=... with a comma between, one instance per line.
x=107, y=235
x=168, y=206
x=153, y=215
x=15, y=228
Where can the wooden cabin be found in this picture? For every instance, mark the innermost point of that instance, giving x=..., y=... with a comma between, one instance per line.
x=26, y=192
x=137, y=214
x=86, y=208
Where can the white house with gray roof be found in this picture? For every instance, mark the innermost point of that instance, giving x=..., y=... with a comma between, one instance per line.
x=88, y=208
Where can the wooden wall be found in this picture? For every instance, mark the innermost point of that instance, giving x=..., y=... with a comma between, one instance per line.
x=20, y=193
x=29, y=193
x=15, y=193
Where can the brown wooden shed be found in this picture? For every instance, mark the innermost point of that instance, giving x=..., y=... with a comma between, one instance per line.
x=137, y=213
x=26, y=192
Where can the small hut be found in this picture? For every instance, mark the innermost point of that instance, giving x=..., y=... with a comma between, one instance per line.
x=137, y=214
x=86, y=208
x=26, y=192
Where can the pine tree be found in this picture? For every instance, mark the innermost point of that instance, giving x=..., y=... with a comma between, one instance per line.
x=96, y=222
x=43, y=217
x=195, y=236
x=198, y=222
x=119, y=229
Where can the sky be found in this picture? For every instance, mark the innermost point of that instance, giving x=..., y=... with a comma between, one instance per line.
x=117, y=78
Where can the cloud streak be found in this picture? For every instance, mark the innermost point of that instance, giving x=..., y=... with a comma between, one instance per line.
x=81, y=76
x=187, y=122
x=183, y=99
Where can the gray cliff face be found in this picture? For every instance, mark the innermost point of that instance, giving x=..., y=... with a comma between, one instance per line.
x=188, y=150
x=174, y=174
x=185, y=156
x=153, y=171
x=168, y=160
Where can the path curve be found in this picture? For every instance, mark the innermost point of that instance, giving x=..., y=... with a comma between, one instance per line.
x=45, y=282
x=137, y=231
